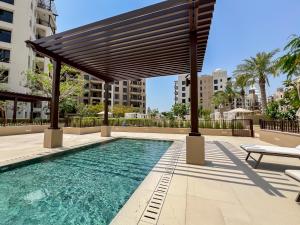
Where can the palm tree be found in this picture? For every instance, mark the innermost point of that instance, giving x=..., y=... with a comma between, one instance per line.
x=259, y=68
x=219, y=99
x=241, y=82
x=230, y=93
x=290, y=62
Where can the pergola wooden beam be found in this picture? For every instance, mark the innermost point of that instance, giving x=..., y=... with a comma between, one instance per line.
x=167, y=38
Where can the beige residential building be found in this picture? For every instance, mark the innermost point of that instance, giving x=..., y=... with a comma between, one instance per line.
x=206, y=91
x=130, y=93
x=207, y=86
x=22, y=20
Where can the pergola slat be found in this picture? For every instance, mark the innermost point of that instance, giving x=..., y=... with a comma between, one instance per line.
x=167, y=38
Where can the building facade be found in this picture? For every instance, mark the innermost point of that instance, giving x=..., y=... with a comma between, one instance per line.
x=207, y=86
x=129, y=93
x=22, y=20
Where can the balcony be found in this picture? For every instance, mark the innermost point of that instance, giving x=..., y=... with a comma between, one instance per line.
x=47, y=5
x=46, y=24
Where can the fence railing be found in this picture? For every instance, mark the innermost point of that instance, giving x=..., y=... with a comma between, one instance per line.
x=22, y=122
x=96, y=121
x=280, y=125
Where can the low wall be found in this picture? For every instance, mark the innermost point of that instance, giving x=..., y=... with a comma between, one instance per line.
x=81, y=130
x=280, y=138
x=16, y=130
x=167, y=130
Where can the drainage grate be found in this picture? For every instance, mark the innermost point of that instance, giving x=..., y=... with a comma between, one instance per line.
x=154, y=207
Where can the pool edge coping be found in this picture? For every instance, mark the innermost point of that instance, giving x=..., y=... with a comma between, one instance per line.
x=133, y=210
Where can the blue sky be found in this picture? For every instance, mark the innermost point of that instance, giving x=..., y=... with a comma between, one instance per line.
x=240, y=29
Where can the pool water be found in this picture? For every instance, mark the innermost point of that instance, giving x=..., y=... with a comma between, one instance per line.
x=85, y=187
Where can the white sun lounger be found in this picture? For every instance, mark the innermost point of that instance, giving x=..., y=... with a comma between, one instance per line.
x=270, y=150
x=296, y=175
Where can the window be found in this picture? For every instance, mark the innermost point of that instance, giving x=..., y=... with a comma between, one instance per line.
x=124, y=82
x=183, y=100
x=9, y=1
x=4, y=76
x=116, y=96
x=183, y=95
x=5, y=36
x=201, y=95
x=183, y=82
x=221, y=80
x=4, y=55
x=6, y=16
x=215, y=81
x=124, y=97
x=124, y=90
x=200, y=81
x=200, y=88
x=216, y=88
x=183, y=88
x=117, y=89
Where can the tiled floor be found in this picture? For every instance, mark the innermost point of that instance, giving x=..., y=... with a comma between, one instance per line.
x=227, y=190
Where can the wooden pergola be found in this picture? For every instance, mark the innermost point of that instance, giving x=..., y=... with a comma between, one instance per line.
x=167, y=38
x=19, y=97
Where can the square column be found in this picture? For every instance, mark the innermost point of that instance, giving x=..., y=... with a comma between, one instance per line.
x=105, y=128
x=194, y=142
x=53, y=136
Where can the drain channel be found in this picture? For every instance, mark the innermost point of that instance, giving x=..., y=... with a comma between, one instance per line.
x=154, y=207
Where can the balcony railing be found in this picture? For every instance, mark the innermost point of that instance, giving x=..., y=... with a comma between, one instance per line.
x=47, y=5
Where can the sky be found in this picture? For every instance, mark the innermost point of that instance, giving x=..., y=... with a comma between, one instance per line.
x=240, y=29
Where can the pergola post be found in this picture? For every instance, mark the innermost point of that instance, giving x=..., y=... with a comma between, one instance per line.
x=194, y=142
x=15, y=110
x=105, y=128
x=54, y=135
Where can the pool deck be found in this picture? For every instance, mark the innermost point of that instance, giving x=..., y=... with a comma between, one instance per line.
x=227, y=190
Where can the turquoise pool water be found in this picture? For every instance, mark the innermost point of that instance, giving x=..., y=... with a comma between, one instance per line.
x=85, y=187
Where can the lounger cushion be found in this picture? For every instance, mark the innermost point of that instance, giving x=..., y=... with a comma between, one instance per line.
x=271, y=150
x=294, y=174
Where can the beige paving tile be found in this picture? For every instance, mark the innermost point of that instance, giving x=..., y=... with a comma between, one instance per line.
x=178, y=186
x=211, y=190
x=203, y=211
x=174, y=210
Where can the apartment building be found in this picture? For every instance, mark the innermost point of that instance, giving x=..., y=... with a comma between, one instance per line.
x=207, y=86
x=129, y=93
x=220, y=80
x=252, y=100
x=22, y=20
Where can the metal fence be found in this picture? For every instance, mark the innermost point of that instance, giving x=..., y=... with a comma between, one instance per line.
x=280, y=125
x=242, y=128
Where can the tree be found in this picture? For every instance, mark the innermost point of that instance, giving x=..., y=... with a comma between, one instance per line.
x=272, y=110
x=152, y=112
x=241, y=82
x=290, y=62
x=168, y=115
x=230, y=93
x=71, y=86
x=204, y=113
x=120, y=110
x=219, y=99
x=180, y=109
x=93, y=110
x=259, y=68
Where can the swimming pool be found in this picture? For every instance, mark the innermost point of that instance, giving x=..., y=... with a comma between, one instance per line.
x=85, y=187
